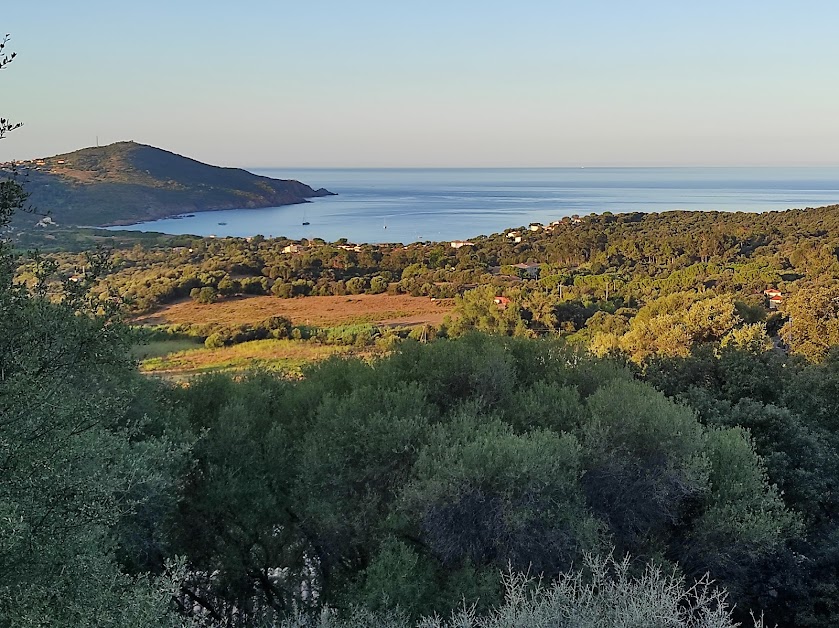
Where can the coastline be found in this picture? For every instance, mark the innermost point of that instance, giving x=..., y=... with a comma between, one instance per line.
x=411, y=205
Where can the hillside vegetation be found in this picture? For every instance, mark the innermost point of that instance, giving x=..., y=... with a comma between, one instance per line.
x=128, y=182
x=386, y=491
x=641, y=285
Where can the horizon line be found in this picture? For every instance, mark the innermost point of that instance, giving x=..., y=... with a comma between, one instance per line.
x=566, y=167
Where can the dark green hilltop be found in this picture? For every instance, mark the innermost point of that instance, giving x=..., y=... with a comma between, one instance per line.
x=127, y=182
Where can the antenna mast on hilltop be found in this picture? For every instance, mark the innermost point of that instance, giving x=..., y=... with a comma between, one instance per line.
x=97, y=141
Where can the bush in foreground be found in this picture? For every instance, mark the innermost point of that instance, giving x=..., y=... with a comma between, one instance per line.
x=603, y=593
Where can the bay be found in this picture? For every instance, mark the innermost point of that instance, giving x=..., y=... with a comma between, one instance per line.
x=415, y=204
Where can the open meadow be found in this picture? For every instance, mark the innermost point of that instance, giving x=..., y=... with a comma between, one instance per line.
x=183, y=357
x=288, y=356
x=393, y=310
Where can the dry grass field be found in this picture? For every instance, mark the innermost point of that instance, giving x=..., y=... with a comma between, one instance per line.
x=286, y=355
x=396, y=310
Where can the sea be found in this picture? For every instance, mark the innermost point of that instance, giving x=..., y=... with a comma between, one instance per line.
x=420, y=204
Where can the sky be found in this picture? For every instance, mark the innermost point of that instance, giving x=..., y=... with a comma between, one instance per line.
x=456, y=83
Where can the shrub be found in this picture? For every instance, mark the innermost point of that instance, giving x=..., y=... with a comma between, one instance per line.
x=205, y=295
x=603, y=593
x=378, y=284
x=214, y=341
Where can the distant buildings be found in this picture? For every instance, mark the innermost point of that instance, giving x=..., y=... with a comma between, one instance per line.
x=457, y=244
x=530, y=270
x=775, y=297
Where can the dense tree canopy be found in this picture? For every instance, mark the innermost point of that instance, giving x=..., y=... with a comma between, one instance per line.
x=447, y=463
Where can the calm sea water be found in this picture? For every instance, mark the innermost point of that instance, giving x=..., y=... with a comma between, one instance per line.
x=406, y=205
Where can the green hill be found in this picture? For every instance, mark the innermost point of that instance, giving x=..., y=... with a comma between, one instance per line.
x=128, y=182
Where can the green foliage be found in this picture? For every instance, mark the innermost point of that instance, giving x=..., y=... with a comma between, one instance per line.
x=410, y=482
x=813, y=324
x=356, y=285
x=378, y=284
x=672, y=325
x=605, y=592
x=397, y=577
x=88, y=478
x=484, y=494
x=205, y=295
x=78, y=469
x=214, y=340
x=234, y=517
x=477, y=310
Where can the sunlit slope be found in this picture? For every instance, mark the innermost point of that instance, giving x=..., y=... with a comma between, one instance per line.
x=128, y=182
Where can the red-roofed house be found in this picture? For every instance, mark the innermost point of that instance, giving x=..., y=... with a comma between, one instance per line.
x=775, y=296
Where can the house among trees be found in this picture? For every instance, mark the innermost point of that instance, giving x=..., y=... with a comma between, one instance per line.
x=456, y=244
x=529, y=269
x=775, y=297
x=292, y=248
x=501, y=302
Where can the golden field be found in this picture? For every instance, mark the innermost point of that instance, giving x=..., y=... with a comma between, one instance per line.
x=386, y=309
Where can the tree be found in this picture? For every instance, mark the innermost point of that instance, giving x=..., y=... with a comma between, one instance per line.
x=813, y=323
x=356, y=285
x=76, y=465
x=378, y=284
x=6, y=126
x=204, y=295
x=477, y=310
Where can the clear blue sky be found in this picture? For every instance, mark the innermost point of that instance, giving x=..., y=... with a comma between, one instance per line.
x=432, y=83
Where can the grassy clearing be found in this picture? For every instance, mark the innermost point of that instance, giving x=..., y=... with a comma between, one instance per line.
x=316, y=311
x=159, y=348
x=285, y=355
x=182, y=358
